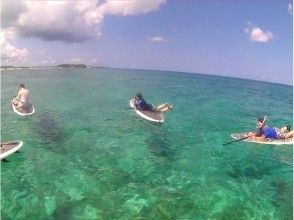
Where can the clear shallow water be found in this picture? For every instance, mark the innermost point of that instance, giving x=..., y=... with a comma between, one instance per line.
x=86, y=157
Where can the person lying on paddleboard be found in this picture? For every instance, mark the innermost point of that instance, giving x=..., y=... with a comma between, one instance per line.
x=22, y=100
x=266, y=131
x=141, y=104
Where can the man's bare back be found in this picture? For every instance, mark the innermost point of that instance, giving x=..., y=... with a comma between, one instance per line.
x=23, y=98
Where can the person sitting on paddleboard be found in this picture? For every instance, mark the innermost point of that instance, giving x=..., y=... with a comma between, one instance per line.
x=23, y=98
x=266, y=131
x=141, y=104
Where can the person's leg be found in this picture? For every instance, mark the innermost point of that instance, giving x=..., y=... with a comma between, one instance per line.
x=289, y=135
x=283, y=129
x=164, y=107
x=19, y=104
x=14, y=101
x=158, y=108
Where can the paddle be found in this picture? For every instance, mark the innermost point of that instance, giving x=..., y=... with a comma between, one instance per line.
x=264, y=118
x=241, y=139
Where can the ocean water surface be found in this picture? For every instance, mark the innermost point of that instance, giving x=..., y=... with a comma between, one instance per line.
x=86, y=156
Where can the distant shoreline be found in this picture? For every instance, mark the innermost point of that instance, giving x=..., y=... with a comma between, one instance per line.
x=75, y=66
x=48, y=67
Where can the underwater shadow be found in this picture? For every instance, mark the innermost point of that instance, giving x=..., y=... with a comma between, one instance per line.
x=159, y=146
x=49, y=130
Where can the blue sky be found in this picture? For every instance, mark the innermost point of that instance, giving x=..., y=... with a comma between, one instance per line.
x=247, y=39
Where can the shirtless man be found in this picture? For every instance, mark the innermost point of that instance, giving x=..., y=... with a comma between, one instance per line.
x=23, y=98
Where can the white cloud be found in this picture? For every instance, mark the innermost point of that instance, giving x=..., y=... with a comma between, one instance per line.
x=257, y=34
x=75, y=60
x=40, y=52
x=130, y=7
x=8, y=34
x=94, y=61
x=158, y=39
x=47, y=61
x=13, y=55
x=290, y=9
x=62, y=20
x=10, y=11
x=68, y=21
x=10, y=54
x=260, y=36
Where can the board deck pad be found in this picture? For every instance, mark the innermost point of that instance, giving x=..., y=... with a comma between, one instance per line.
x=9, y=148
x=24, y=111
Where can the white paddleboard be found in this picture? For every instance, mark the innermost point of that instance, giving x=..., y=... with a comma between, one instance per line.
x=148, y=115
x=29, y=111
x=9, y=148
x=237, y=136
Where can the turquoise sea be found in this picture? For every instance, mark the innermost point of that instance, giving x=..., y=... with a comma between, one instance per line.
x=86, y=157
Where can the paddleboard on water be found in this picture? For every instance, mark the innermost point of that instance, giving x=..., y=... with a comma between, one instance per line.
x=30, y=110
x=267, y=141
x=148, y=115
x=9, y=148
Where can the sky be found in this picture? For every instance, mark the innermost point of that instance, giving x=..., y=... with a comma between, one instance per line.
x=250, y=39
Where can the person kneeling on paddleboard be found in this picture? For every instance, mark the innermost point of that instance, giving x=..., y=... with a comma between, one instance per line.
x=23, y=98
x=141, y=104
x=266, y=131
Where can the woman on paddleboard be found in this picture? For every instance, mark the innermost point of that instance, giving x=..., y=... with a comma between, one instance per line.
x=141, y=104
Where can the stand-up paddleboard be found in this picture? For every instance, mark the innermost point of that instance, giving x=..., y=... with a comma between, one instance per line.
x=238, y=136
x=24, y=111
x=9, y=148
x=148, y=115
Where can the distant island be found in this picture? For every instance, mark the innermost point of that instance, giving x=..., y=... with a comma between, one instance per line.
x=7, y=67
x=72, y=66
x=64, y=65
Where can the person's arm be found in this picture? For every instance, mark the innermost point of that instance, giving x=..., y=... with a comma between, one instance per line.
x=19, y=95
x=256, y=136
x=258, y=133
x=136, y=105
x=260, y=138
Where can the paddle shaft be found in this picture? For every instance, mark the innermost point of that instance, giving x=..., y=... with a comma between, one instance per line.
x=241, y=139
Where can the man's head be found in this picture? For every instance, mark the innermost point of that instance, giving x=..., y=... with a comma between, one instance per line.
x=261, y=122
x=22, y=85
x=139, y=96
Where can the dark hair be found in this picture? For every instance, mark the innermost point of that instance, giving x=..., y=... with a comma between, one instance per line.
x=22, y=85
x=139, y=95
x=260, y=120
